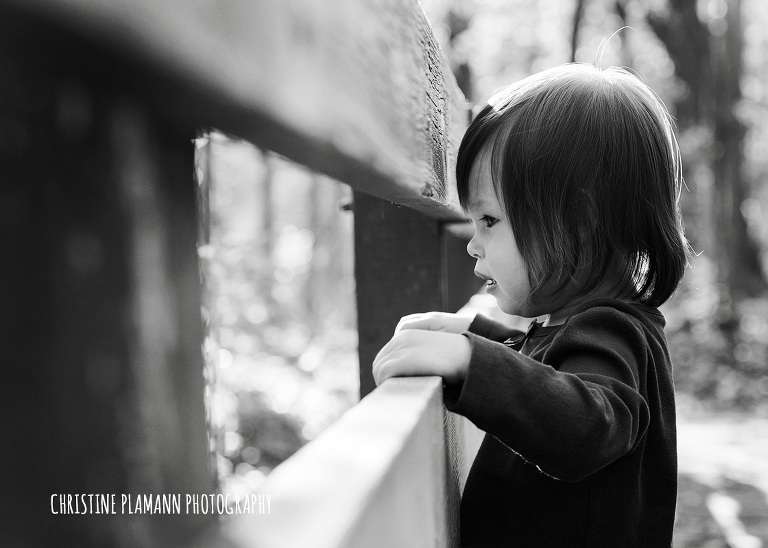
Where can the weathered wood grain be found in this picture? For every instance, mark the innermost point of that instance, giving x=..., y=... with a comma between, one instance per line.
x=375, y=478
x=356, y=89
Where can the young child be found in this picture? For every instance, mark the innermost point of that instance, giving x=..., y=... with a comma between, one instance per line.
x=572, y=179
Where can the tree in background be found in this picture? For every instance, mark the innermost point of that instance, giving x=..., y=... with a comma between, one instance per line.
x=705, y=40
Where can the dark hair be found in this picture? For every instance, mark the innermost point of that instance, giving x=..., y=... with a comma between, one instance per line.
x=587, y=168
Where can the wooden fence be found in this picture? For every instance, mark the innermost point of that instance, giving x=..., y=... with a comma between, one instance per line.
x=103, y=382
x=389, y=473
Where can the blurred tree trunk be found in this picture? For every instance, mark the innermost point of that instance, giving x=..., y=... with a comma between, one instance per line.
x=737, y=253
x=626, y=50
x=688, y=42
x=708, y=59
x=458, y=22
x=578, y=14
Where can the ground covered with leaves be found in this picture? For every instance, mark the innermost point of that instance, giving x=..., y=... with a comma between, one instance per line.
x=723, y=482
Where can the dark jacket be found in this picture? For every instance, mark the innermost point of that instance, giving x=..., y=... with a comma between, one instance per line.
x=580, y=449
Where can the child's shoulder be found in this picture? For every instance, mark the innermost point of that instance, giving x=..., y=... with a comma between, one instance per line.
x=632, y=332
x=609, y=307
x=603, y=317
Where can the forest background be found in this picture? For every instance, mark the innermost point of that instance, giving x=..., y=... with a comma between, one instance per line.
x=276, y=239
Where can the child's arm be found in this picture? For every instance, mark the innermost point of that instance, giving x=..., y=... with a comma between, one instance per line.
x=457, y=323
x=574, y=417
x=571, y=421
x=418, y=347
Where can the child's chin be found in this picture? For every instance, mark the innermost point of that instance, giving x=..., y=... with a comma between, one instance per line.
x=511, y=309
x=506, y=307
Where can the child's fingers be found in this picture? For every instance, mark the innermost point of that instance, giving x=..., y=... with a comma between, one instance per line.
x=385, y=367
x=381, y=372
x=418, y=353
x=395, y=365
x=413, y=321
x=395, y=358
x=380, y=369
x=435, y=321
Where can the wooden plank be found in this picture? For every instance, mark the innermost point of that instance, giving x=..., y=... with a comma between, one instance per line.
x=398, y=271
x=404, y=263
x=103, y=386
x=356, y=89
x=375, y=478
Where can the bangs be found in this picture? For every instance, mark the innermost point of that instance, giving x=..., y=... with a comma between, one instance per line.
x=483, y=129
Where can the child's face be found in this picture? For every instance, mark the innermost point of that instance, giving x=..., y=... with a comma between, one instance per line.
x=493, y=245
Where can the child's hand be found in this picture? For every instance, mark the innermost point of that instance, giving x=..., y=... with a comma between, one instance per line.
x=417, y=352
x=435, y=321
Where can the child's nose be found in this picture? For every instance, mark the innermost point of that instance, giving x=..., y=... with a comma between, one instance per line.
x=473, y=248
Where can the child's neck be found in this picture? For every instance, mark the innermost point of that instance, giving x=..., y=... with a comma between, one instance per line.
x=603, y=291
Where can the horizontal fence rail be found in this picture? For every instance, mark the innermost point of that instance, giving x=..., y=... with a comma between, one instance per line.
x=387, y=473
x=358, y=90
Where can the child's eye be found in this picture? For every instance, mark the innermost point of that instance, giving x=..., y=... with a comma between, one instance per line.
x=488, y=221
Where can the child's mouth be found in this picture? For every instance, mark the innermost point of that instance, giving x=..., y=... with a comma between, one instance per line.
x=490, y=283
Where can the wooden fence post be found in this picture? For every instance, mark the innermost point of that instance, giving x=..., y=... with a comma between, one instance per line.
x=405, y=263
x=102, y=388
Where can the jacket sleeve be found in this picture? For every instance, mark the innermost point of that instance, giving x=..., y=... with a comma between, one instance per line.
x=492, y=330
x=573, y=413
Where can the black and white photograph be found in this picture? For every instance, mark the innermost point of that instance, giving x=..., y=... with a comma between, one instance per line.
x=384, y=273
